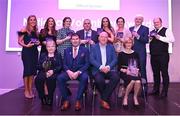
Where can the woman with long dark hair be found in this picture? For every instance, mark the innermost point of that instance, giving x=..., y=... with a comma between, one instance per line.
x=49, y=32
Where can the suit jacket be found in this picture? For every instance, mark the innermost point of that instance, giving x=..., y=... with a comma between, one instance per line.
x=140, y=45
x=57, y=62
x=94, y=35
x=80, y=63
x=95, y=57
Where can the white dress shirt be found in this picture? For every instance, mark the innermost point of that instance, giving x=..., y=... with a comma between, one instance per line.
x=103, y=55
x=169, y=36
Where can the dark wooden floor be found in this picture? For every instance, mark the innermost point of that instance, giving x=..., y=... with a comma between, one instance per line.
x=15, y=103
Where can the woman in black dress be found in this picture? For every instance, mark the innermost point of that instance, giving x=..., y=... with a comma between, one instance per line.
x=129, y=65
x=28, y=39
x=49, y=32
x=49, y=66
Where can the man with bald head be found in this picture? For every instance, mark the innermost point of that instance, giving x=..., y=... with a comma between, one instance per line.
x=103, y=58
x=140, y=34
x=87, y=35
x=160, y=38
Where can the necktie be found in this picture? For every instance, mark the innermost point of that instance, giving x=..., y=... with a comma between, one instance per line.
x=75, y=52
x=157, y=30
x=86, y=35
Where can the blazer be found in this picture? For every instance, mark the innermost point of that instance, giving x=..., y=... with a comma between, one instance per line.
x=80, y=63
x=94, y=35
x=140, y=44
x=96, y=60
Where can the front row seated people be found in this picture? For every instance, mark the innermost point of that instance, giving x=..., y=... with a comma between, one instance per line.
x=129, y=67
x=103, y=59
x=50, y=64
x=76, y=63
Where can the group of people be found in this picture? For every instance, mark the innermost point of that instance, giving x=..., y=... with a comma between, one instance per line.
x=103, y=54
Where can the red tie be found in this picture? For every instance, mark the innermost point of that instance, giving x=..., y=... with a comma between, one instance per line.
x=75, y=52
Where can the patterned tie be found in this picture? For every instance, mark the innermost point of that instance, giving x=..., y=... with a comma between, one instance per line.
x=75, y=52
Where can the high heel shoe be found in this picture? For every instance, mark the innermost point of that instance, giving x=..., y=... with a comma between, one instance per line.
x=43, y=101
x=136, y=104
x=125, y=106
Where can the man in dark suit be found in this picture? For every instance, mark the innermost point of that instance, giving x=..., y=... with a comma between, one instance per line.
x=87, y=35
x=76, y=63
x=103, y=58
x=140, y=34
x=88, y=38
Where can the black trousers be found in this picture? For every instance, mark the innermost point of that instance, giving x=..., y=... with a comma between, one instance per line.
x=50, y=82
x=106, y=89
x=159, y=65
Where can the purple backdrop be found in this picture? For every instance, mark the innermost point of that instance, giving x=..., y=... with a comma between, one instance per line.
x=11, y=64
x=21, y=9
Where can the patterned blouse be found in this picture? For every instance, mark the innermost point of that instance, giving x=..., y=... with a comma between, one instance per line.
x=61, y=34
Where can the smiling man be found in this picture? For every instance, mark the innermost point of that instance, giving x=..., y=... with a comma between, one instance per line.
x=76, y=63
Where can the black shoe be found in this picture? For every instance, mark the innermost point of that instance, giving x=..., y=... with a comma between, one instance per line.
x=136, y=106
x=49, y=100
x=125, y=106
x=154, y=93
x=43, y=101
x=163, y=95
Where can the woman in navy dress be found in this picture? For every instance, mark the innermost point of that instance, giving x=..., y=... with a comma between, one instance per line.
x=49, y=65
x=28, y=39
x=129, y=66
x=49, y=32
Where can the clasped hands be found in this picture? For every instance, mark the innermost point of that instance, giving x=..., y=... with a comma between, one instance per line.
x=73, y=75
x=129, y=72
x=49, y=73
x=105, y=69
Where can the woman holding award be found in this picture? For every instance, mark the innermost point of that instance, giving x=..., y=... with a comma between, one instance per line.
x=106, y=26
x=49, y=32
x=64, y=35
x=120, y=34
x=28, y=39
x=129, y=65
x=49, y=66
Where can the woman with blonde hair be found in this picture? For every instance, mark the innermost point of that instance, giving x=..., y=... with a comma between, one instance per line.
x=49, y=65
x=28, y=39
x=129, y=66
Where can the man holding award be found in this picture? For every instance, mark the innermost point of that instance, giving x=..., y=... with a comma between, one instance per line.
x=140, y=34
x=160, y=38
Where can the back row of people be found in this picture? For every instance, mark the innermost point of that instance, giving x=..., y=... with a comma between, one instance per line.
x=62, y=37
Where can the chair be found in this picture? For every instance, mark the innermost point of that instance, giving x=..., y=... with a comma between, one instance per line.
x=95, y=92
x=70, y=82
x=143, y=84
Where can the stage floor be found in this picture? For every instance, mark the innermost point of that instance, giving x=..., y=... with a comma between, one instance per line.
x=14, y=103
